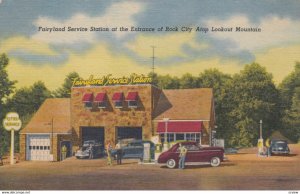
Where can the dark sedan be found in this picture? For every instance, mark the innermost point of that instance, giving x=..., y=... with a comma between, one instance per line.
x=196, y=155
x=135, y=149
x=279, y=147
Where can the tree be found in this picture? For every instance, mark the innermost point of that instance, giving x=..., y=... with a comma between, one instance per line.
x=168, y=82
x=6, y=88
x=213, y=78
x=251, y=96
x=26, y=101
x=290, y=94
x=288, y=85
x=154, y=78
x=188, y=81
x=65, y=90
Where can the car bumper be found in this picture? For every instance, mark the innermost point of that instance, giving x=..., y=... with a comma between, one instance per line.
x=280, y=152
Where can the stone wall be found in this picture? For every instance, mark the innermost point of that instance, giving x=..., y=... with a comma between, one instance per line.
x=22, y=147
x=111, y=117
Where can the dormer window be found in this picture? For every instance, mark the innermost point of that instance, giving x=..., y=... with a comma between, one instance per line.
x=101, y=100
x=87, y=99
x=132, y=99
x=118, y=99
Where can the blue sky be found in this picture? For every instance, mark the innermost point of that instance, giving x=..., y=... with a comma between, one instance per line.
x=177, y=52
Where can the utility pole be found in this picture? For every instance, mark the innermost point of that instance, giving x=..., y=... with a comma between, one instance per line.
x=153, y=59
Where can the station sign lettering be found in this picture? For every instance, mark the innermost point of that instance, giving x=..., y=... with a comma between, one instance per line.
x=12, y=121
x=108, y=80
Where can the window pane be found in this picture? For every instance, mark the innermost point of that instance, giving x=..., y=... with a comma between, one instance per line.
x=170, y=137
x=132, y=103
x=102, y=104
x=179, y=136
x=30, y=147
x=118, y=104
x=88, y=104
x=192, y=147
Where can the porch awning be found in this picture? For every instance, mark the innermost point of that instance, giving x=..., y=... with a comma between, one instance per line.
x=179, y=127
x=132, y=96
x=118, y=96
x=87, y=97
x=100, y=97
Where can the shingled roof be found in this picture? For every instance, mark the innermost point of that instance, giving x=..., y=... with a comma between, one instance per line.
x=185, y=104
x=56, y=108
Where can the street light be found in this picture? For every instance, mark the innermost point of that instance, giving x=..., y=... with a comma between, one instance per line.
x=166, y=120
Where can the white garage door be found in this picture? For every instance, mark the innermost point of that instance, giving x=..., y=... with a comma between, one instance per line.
x=38, y=147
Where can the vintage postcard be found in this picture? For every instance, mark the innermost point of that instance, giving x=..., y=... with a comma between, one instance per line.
x=150, y=95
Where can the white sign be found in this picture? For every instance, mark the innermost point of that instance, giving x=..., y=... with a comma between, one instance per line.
x=12, y=122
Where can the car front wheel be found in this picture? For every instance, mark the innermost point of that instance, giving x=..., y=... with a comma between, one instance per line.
x=215, y=161
x=171, y=163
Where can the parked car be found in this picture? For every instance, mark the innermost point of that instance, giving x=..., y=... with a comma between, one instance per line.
x=84, y=151
x=196, y=155
x=135, y=149
x=279, y=147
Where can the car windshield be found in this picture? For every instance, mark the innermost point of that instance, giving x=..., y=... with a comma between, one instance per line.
x=283, y=144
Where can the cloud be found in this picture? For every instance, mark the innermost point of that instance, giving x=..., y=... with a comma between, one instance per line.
x=280, y=61
x=166, y=45
x=32, y=52
x=117, y=15
x=274, y=31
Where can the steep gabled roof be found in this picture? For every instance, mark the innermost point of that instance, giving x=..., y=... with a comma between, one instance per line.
x=185, y=104
x=56, y=108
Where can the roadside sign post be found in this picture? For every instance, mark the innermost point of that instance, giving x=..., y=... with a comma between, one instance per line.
x=12, y=123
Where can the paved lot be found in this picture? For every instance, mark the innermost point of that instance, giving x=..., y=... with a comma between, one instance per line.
x=243, y=171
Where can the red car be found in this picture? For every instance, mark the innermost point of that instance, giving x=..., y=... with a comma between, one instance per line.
x=196, y=155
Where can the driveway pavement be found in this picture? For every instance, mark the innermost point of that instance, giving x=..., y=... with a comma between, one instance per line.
x=243, y=171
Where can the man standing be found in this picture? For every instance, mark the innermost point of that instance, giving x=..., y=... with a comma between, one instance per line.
x=182, y=155
x=63, y=152
x=119, y=153
x=91, y=152
x=268, y=147
x=108, y=151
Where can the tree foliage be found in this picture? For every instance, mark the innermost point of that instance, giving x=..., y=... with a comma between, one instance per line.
x=290, y=94
x=65, y=90
x=251, y=96
x=6, y=88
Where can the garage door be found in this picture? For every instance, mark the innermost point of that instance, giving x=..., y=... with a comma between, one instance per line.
x=93, y=133
x=38, y=147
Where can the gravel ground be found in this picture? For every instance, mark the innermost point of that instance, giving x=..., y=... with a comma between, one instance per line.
x=242, y=171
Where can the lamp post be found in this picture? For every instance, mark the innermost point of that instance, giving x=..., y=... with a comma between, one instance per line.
x=260, y=129
x=260, y=143
x=166, y=120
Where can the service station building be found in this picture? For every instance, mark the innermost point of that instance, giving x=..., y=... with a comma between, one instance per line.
x=110, y=113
